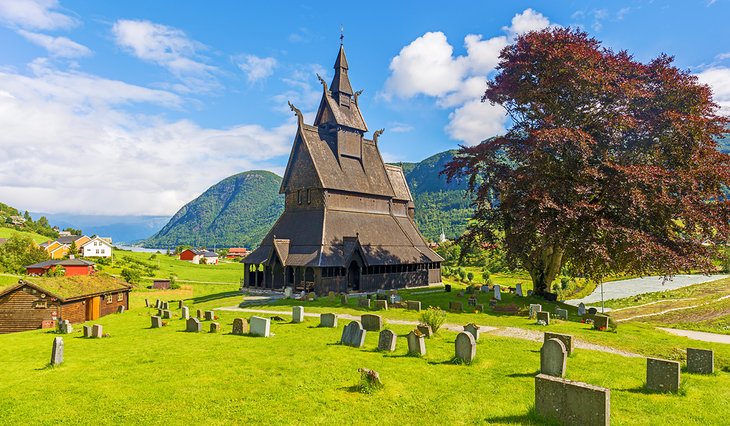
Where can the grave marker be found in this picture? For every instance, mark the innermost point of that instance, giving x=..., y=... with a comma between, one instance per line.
x=592, y=311
x=363, y=303
x=497, y=292
x=562, y=314
x=166, y=314
x=147, y=303
x=416, y=343
x=240, y=326
x=534, y=309
x=581, y=309
x=215, y=327
x=700, y=361
x=456, y=307
x=552, y=358
x=97, y=331
x=425, y=329
x=544, y=317
x=353, y=335
x=413, y=305
x=120, y=310
x=519, y=289
x=565, y=338
x=386, y=341
x=180, y=304
x=572, y=403
x=193, y=325
x=209, y=315
x=288, y=292
x=57, y=351
x=381, y=305
x=465, y=347
x=199, y=314
x=343, y=299
x=472, y=329
x=371, y=322
x=87, y=331
x=185, y=314
x=328, y=320
x=260, y=326
x=662, y=375
x=297, y=314
x=600, y=322
x=156, y=322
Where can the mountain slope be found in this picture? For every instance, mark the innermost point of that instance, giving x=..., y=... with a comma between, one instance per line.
x=237, y=211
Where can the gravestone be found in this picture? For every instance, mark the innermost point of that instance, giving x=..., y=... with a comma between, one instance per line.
x=565, y=338
x=413, y=305
x=159, y=312
x=544, y=317
x=343, y=299
x=484, y=289
x=157, y=303
x=120, y=310
x=372, y=322
x=534, y=309
x=700, y=361
x=581, y=309
x=561, y=314
x=185, y=314
x=215, y=327
x=592, y=311
x=381, y=305
x=416, y=343
x=288, y=292
x=386, y=341
x=456, y=306
x=311, y=296
x=519, y=289
x=425, y=329
x=297, y=314
x=473, y=329
x=166, y=314
x=472, y=301
x=156, y=322
x=331, y=296
x=363, y=303
x=65, y=327
x=480, y=308
x=199, y=314
x=57, y=351
x=87, y=331
x=662, y=375
x=572, y=403
x=179, y=304
x=193, y=325
x=209, y=315
x=600, y=322
x=497, y=292
x=97, y=332
x=353, y=335
x=260, y=326
x=240, y=326
x=465, y=346
x=552, y=358
x=165, y=305
x=147, y=303
x=328, y=320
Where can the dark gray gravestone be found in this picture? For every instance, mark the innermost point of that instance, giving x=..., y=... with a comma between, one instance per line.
x=343, y=299
x=565, y=338
x=166, y=314
x=87, y=331
x=552, y=358
x=57, y=351
x=381, y=305
x=456, y=306
x=157, y=303
x=353, y=335
x=473, y=329
x=97, y=331
x=544, y=317
x=363, y=303
x=592, y=311
x=572, y=403
x=121, y=309
x=328, y=320
x=662, y=375
x=600, y=322
x=700, y=361
x=240, y=326
x=193, y=325
x=386, y=341
x=179, y=304
x=209, y=315
x=156, y=322
x=465, y=346
x=371, y=322
x=215, y=327
x=561, y=314
x=416, y=343
x=147, y=303
x=413, y=305
x=425, y=329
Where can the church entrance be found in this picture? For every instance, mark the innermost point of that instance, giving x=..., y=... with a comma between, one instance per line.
x=353, y=276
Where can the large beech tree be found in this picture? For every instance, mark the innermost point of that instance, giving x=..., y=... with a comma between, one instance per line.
x=610, y=166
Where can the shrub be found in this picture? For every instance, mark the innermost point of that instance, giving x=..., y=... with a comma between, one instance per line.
x=470, y=276
x=131, y=275
x=564, y=283
x=433, y=317
x=462, y=274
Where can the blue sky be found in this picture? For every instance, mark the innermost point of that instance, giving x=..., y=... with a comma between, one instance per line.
x=136, y=107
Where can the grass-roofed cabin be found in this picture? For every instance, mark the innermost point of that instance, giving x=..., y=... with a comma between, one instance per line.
x=39, y=301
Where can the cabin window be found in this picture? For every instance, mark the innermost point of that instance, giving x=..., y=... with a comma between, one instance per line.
x=40, y=304
x=109, y=299
x=120, y=297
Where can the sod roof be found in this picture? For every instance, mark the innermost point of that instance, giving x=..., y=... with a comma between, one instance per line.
x=75, y=287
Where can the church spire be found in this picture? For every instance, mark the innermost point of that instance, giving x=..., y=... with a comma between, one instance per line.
x=341, y=81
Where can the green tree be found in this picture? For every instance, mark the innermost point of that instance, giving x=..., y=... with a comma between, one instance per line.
x=131, y=275
x=18, y=251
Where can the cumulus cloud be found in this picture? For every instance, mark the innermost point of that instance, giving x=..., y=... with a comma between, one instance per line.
x=35, y=14
x=59, y=47
x=718, y=78
x=170, y=48
x=70, y=146
x=256, y=68
x=428, y=67
x=304, y=90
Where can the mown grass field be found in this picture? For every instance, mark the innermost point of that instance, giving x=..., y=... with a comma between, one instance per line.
x=8, y=232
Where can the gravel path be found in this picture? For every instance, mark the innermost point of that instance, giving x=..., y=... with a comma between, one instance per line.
x=513, y=332
x=699, y=335
x=635, y=286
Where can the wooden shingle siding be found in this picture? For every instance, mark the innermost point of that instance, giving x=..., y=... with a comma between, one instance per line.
x=18, y=314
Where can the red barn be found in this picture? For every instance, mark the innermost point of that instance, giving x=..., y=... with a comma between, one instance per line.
x=72, y=267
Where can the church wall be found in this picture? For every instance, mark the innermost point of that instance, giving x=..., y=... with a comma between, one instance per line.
x=356, y=202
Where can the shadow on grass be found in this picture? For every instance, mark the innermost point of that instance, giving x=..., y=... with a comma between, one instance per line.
x=529, y=374
x=529, y=418
x=214, y=296
x=644, y=391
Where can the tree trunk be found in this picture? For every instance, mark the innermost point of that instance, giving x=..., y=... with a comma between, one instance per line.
x=546, y=268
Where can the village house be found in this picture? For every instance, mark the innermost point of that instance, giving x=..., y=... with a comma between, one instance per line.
x=59, y=248
x=72, y=267
x=40, y=302
x=348, y=220
x=96, y=247
x=199, y=256
x=237, y=253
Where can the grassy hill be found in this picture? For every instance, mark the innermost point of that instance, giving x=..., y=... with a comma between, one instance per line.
x=38, y=238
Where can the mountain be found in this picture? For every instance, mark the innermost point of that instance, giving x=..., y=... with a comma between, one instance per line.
x=121, y=229
x=235, y=212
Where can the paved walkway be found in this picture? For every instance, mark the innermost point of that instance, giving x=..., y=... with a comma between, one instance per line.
x=699, y=335
x=513, y=332
x=636, y=286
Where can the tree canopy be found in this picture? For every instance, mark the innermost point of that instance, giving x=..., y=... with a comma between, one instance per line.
x=610, y=166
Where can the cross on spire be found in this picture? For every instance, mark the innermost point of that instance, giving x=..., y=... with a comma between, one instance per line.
x=342, y=33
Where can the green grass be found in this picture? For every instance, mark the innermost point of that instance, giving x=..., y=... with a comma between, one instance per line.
x=8, y=232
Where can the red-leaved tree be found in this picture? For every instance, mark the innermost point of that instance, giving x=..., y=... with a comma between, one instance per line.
x=610, y=166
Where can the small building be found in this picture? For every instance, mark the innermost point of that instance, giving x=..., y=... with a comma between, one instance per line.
x=59, y=248
x=161, y=284
x=73, y=267
x=96, y=247
x=199, y=256
x=16, y=221
x=38, y=300
x=237, y=253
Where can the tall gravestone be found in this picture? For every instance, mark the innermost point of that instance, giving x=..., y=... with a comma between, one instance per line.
x=344, y=299
x=372, y=322
x=353, y=335
x=518, y=289
x=700, y=361
x=534, y=309
x=57, y=351
x=416, y=343
x=552, y=358
x=185, y=312
x=288, y=292
x=240, y=326
x=565, y=338
x=157, y=303
x=473, y=329
x=147, y=303
x=662, y=375
x=97, y=331
x=297, y=314
x=65, y=327
x=386, y=341
x=328, y=320
x=121, y=309
x=259, y=326
x=156, y=322
x=180, y=304
x=199, y=314
x=581, y=309
x=465, y=347
x=193, y=325
x=87, y=331
x=497, y=292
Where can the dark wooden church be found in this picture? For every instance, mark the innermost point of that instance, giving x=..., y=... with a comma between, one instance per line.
x=348, y=218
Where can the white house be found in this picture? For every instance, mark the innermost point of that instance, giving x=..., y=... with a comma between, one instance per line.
x=97, y=247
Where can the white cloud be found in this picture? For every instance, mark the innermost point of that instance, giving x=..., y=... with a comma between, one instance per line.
x=719, y=80
x=256, y=68
x=170, y=48
x=59, y=47
x=428, y=67
x=304, y=90
x=69, y=146
x=397, y=127
x=35, y=14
